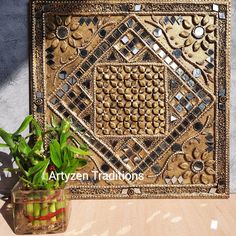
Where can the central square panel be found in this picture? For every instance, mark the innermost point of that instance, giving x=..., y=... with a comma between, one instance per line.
x=130, y=100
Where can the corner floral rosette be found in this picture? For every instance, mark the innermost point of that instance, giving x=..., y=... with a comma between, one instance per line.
x=63, y=33
x=199, y=167
x=198, y=33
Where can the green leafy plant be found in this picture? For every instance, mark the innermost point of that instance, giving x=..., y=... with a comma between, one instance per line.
x=35, y=162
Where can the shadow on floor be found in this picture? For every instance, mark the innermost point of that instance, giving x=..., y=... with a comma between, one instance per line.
x=7, y=179
x=7, y=182
x=6, y=212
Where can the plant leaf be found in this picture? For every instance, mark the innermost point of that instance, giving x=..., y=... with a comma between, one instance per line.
x=50, y=185
x=24, y=124
x=23, y=147
x=40, y=176
x=2, y=145
x=7, y=138
x=84, y=146
x=67, y=155
x=78, y=150
x=38, y=167
x=63, y=139
x=65, y=126
x=80, y=162
x=38, y=148
x=55, y=153
x=76, y=163
x=18, y=162
x=25, y=180
x=29, y=135
x=37, y=128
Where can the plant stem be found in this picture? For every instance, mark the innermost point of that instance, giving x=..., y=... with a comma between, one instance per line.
x=30, y=206
x=37, y=209
x=44, y=211
x=52, y=206
x=60, y=205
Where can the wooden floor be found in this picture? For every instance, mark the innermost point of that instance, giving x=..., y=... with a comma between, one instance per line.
x=146, y=218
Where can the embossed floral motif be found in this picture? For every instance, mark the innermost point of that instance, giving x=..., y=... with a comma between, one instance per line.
x=63, y=33
x=198, y=166
x=199, y=33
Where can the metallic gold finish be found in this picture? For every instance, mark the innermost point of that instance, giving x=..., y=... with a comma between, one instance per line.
x=145, y=86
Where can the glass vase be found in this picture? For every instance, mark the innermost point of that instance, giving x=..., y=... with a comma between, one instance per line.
x=40, y=211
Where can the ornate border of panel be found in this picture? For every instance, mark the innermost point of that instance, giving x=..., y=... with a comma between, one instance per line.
x=146, y=86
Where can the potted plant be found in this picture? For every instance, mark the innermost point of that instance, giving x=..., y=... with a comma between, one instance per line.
x=40, y=203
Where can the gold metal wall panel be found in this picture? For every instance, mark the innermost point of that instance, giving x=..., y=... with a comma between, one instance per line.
x=146, y=85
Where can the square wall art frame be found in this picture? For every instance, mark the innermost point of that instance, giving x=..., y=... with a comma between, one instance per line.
x=145, y=85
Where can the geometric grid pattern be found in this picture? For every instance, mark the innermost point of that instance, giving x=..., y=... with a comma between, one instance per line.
x=184, y=101
x=129, y=100
x=129, y=45
x=142, y=89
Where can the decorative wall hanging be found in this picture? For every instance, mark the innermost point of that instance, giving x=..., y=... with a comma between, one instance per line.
x=146, y=85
